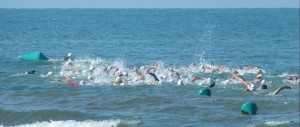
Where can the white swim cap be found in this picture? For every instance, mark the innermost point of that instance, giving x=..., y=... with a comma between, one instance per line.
x=89, y=77
x=69, y=54
x=263, y=81
x=187, y=80
x=125, y=73
x=49, y=73
x=118, y=80
x=251, y=87
x=259, y=75
x=142, y=68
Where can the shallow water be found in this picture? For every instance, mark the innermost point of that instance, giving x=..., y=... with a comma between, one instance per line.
x=266, y=38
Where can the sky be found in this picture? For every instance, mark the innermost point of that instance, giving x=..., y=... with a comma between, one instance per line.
x=149, y=3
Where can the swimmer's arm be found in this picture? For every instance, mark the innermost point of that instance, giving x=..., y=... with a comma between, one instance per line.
x=243, y=81
x=67, y=77
x=280, y=88
x=149, y=68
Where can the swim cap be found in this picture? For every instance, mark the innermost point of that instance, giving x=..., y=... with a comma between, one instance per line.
x=89, y=77
x=263, y=81
x=69, y=54
x=49, y=73
x=118, y=80
x=251, y=88
x=142, y=68
x=264, y=87
x=125, y=73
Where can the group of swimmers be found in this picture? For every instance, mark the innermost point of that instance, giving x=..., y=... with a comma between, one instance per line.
x=159, y=73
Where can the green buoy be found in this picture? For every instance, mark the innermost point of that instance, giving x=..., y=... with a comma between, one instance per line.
x=249, y=108
x=34, y=56
x=205, y=91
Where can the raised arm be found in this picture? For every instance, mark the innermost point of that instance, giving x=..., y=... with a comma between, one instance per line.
x=280, y=88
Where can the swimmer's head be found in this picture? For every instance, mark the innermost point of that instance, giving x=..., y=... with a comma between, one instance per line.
x=118, y=80
x=49, y=73
x=263, y=81
x=263, y=87
x=234, y=73
x=124, y=73
x=258, y=71
x=259, y=76
x=69, y=54
x=142, y=68
x=89, y=77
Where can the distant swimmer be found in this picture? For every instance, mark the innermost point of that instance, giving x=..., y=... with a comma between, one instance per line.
x=50, y=73
x=68, y=57
x=65, y=81
x=292, y=79
x=119, y=81
x=156, y=82
x=139, y=74
x=220, y=69
x=68, y=81
x=249, y=86
x=30, y=72
x=212, y=84
x=233, y=79
x=152, y=74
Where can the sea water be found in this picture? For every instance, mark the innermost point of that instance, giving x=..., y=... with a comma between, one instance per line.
x=264, y=38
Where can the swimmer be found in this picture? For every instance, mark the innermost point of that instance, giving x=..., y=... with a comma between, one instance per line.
x=249, y=68
x=66, y=81
x=292, y=79
x=219, y=69
x=258, y=78
x=49, y=74
x=249, y=86
x=68, y=57
x=139, y=74
x=30, y=72
x=152, y=74
x=194, y=78
x=68, y=64
x=232, y=80
x=279, y=89
x=118, y=81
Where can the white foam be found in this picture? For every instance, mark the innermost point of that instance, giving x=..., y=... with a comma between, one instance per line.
x=276, y=123
x=86, y=123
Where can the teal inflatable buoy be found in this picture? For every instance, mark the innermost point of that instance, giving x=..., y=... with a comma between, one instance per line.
x=249, y=108
x=205, y=91
x=34, y=56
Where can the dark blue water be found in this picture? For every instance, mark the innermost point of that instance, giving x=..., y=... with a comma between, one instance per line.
x=265, y=38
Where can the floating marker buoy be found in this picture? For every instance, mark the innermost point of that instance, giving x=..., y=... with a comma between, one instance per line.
x=34, y=56
x=205, y=91
x=249, y=108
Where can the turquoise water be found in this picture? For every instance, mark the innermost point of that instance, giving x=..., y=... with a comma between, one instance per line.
x=265, y=38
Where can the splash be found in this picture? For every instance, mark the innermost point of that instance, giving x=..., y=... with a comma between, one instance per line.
x=87, y=123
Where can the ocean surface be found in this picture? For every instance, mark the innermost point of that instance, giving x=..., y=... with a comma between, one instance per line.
x=267, y=39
